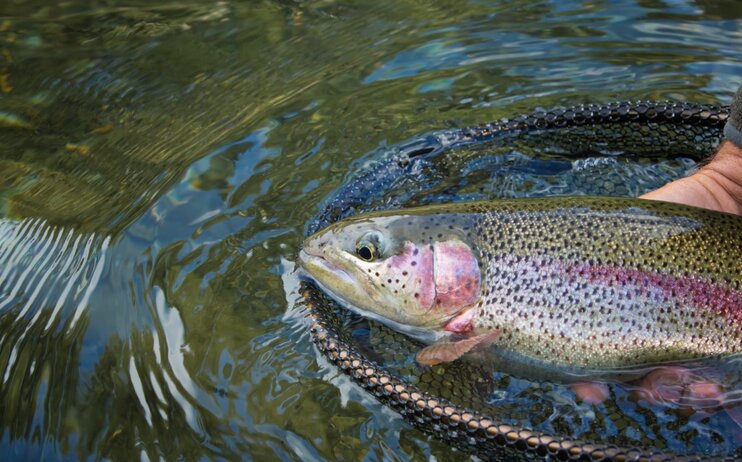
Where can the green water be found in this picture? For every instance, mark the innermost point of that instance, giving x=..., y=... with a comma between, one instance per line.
x=159, y=163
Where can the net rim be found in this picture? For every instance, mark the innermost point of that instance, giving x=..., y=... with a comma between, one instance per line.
x=462, y=427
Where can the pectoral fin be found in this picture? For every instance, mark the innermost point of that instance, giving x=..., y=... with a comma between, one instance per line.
x=594, y=393
x=443, y=352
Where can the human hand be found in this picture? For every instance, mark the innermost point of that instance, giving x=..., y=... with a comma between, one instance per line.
x=716, y=186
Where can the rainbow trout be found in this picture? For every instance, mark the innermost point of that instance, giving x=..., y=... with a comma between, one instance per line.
x=577, y=282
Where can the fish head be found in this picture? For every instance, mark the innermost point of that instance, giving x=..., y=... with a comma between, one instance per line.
x=405, y=268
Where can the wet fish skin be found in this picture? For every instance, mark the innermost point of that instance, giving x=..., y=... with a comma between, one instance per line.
x=609, y=283
x=586, y=282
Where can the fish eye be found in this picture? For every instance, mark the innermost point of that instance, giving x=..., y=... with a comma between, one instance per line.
x=366, y=252
x=369, y=247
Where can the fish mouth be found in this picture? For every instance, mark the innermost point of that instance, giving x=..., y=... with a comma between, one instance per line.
x=317, y=265
x=322, y=271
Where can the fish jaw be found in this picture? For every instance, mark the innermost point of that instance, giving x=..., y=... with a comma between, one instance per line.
x=414, y=287
x=345, y=285
x=322, y=269
x=410, y=278
x=351, y=283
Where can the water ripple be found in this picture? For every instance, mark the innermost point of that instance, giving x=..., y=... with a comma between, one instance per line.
x=159, y=162
x=38, y=259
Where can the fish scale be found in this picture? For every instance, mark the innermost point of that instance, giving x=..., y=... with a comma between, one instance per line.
x=599, y=282
x=602, y=127
x=577, y=282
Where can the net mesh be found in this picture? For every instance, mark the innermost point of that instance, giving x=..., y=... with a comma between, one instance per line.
x=617, y=149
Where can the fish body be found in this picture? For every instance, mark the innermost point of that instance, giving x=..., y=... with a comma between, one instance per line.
x=577, y=282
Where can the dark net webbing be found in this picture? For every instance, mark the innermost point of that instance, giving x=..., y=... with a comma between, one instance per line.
x=450, y=401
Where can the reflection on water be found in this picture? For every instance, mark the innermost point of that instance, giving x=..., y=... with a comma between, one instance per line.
x=159, y=163
x=44, y=270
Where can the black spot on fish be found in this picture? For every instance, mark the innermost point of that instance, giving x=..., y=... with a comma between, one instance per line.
x=404, y=273
x=413, y=264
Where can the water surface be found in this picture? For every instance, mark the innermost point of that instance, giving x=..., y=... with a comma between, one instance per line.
x=159, y=163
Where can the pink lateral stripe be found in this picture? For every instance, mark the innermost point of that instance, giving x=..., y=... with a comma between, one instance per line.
x=718, y=298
